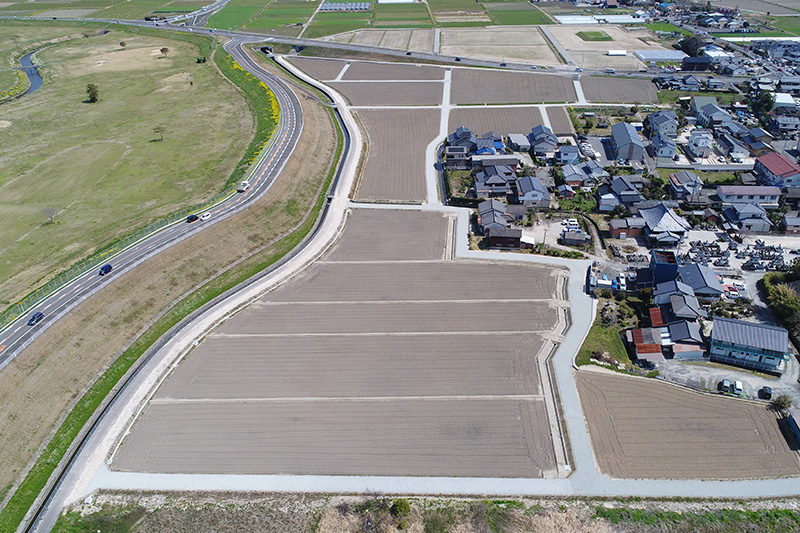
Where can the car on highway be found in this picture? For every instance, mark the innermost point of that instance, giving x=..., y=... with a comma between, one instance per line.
x=205, y=216
x=243, y=186
x=35, y=318
x=105, y=269
x=192, y=218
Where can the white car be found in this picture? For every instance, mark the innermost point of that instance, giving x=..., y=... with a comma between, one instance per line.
x=243, y=186
x=205, y=216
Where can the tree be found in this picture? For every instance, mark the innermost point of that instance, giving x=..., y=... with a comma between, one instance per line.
x=763, y=102
x=784, y=401
x=93, y=92
x=50, y=213
x=165, y=51
x=691, y=45
x=123, y=44
x=160, y=130
x=784, y=302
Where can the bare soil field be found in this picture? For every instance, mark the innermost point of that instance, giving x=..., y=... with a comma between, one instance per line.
x=499, y=43
x=421, y=41
x=397, y=93
x=391, y=174
x=567, y=36
x=646, y=429
x=559, y=121
x=396, y=39
x=321, y=69
x=759, y=6
x=364, y=368
x=346, y=366
x=500, y=120
x=384, y=234
x=388, y=71
x=436, y=437
x=619, y=90
x=600, y=60
x=367, y=37
x=471, y=86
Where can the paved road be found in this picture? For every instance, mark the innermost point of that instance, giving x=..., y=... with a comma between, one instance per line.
x=19, y=335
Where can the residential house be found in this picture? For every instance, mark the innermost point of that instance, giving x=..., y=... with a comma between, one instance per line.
x=760, y=134
x=584, y=174
x=685, y=185
x=626, y=143
x=779, y=170
x=505, y=238
x=663, y=226
x=792, y=224
x=517, y=213
x=713, y=116
x=492, y=214
x=733, y=128
x=565, y=191
x=575, y=238
x=495, y=180
x=765, y=196
x=714, y=84
x=490, y=160
x=607, y=201
x=663, y=266
x=543, y=141
x=696, y=64
x=697, y=102
x=700, y=142
x=731, y=148
x=530, y=191
x=749, y=345
x=782, y=124
x=463, y=137
x=748, y=217
x=457, y=157
x=790, y=84
x=519, y=142
x=757, y=146
x=664, y=147
x=623, y=228
x=568, y=155
x=705, y=284
x=690, y=82
x=687, y=342
x=489, y=143
x=627, y=193
x=663, y=123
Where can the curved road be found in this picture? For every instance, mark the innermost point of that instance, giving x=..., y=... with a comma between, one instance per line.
x=19, y=335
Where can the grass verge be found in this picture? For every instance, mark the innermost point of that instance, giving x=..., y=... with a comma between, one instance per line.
x=36, y=479
x=602, y=339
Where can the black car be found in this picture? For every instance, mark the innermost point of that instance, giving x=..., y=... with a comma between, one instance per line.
x=458, y=59
x=766, y=393
x=35, y=318
x=192, y=218
x=105, y=269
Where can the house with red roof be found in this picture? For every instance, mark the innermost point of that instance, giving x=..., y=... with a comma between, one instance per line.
x=778, y=170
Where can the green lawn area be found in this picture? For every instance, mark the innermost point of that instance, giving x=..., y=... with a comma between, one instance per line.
x=583, y=202
x=759, y=34
x=709, y=178
x=332, y=23
x=282, y=16
x=518, y=17
x=99, y=164
x=664, y=26
x=603, y=339
x=670, y=97
x=789, y=24
x=439, y=6
x=594, y=36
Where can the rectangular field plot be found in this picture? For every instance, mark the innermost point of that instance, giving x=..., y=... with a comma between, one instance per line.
x=645, y=429
x=416, y=281
x=399, y=93
x=388, y=71
x=619, y=90
x=480, y=86
x=347, y=366
x=470, y=437
x=384, y=235
x=500, y=120
x=391, y=173
x=524, y=44
x=560, y=122
x=321, y=69
x=399, y=317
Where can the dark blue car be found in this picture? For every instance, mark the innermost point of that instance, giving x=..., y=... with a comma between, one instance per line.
x=105, y=269
x=35, y=318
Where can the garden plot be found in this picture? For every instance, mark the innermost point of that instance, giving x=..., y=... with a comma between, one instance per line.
x=518, y=44
x=473, y=86
x=321, y=69
x=619, y=90
x=391, y=71
x=643, y=428
x=366, y=365
x=500, y=120
x=399, y=93
x=392, y=173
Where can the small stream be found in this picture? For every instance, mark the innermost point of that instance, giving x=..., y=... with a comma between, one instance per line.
x=31, y=71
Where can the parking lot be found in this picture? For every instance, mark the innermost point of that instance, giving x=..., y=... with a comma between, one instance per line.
x=368, y=363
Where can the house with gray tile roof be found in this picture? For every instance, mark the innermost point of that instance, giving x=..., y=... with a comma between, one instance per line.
x=463, y=137
x=704, y=282
x=626, y=142
x=750, y=345
x=663, y=225
x=492, y=214
x=530, y=191
x=664, y=147
x=543, y=140
x=748, y=217
x=663, y=123
x=766, y=196
x=685, y=185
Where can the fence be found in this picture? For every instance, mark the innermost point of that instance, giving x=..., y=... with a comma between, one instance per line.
x=65, y=278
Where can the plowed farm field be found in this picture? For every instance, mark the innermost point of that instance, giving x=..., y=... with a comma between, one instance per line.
x=387, y=71
x=390, y=93
x=559, y=121
x=647, y=429
x=366, y=363
x=395, y=167
x=619, y=90
x=321, y=69
x=471, y=86
x=500, y=120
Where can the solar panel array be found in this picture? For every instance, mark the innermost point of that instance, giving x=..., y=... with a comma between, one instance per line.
x=345, y=6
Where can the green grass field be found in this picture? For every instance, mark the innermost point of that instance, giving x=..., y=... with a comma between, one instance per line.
x=517, y=17
x=594, y=36
x=233, y=17
x=401, y=12
x=98, y=164
x=663, y=26
x=16, y=39
x=443, y=6
x=670, y=97
x=789, y=24
x=602, y=339
x=332, y=23
x=282, y=17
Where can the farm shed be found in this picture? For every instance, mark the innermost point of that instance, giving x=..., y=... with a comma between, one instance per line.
x=749, y=345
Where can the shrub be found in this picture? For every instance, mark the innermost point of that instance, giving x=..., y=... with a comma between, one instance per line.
x=400, y=508
x=784, y=401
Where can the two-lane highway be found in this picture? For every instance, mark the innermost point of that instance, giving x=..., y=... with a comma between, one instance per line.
x=18, y=335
